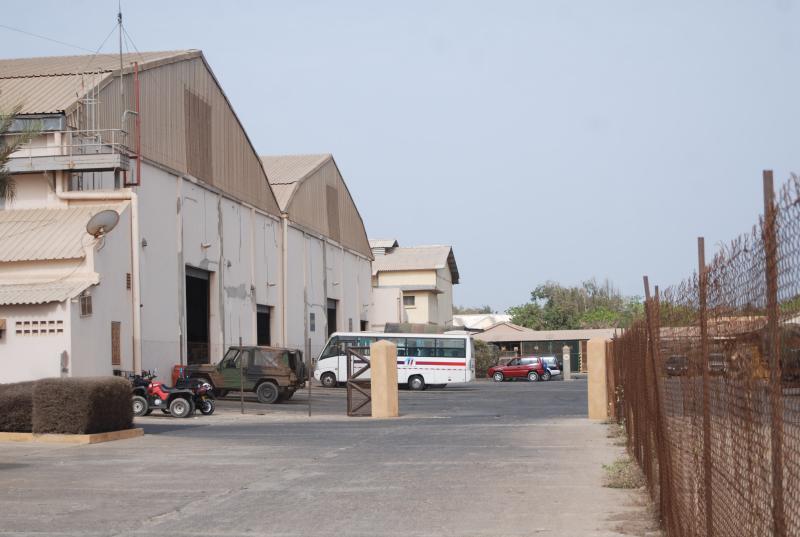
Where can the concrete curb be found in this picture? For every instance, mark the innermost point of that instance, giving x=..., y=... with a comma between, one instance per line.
x=95, y=438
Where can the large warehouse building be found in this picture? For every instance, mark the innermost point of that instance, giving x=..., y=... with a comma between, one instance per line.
x=203, y=254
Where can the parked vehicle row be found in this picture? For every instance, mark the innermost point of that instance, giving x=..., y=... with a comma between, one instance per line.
x=275, y=374
x=532, y=368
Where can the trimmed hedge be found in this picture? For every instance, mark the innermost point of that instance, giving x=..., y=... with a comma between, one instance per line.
x=16, y=407
x=82, y=405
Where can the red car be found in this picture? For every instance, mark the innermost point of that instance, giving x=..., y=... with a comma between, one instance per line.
x=531, y=367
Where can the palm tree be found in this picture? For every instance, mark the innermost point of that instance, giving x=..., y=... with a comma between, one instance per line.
x=8, y=145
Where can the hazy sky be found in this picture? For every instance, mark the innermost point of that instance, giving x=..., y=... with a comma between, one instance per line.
x=542, y=140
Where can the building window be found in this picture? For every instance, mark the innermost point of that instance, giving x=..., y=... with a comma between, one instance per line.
x=409, y=301
x=128, y=281
x=116, y=354
x=350, y=324
x=86, y=305
x=312, y=322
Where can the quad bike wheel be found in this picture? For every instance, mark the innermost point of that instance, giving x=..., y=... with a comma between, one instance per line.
x=139, y=406
x=180, y=407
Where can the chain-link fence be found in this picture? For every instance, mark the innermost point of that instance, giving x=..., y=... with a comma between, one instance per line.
x=708, y=384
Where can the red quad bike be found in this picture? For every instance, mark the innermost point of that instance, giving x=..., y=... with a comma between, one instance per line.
x=149, y=395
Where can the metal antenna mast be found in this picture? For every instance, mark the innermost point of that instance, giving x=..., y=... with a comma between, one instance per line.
x=119, y=24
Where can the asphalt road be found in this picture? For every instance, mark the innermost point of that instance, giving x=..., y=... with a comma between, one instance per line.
x=481, y=459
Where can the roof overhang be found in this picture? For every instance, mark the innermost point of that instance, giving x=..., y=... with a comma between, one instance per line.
x=12, y=294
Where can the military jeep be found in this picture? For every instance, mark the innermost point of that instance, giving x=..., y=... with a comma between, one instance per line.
x=274, y=374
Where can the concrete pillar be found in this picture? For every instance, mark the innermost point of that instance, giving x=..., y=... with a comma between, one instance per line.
x=596, y=363
x=383, y=360
x=566, y=371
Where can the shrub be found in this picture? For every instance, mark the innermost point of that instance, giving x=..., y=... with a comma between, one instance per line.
x=16, y=407
x=82, y=405
x=486, y=356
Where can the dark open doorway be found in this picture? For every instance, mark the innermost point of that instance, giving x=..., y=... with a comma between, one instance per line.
x=197, y=307
x=333, y=306
x=263, y=317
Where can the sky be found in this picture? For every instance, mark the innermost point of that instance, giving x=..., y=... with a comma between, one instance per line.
x=543, y=140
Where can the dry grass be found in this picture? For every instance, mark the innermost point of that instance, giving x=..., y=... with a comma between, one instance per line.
x=623, y=473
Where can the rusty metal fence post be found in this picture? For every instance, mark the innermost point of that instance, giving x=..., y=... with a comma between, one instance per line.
x=773, y=329
x=702, y=293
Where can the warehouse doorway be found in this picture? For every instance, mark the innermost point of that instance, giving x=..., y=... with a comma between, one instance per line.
x=333, y=307
x=263, y=318
x=197, y=311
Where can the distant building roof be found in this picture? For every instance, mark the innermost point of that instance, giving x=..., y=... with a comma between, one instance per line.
x=417, y=258
x=383, y=243
x=286, y=172
x=42, y=234
x=479, y=321
x=55, y=84
x=507, y=331
x=312, y=191
x=44, y=292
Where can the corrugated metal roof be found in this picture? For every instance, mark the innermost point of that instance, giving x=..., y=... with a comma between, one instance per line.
x=42, y=234
x=286, y=172
x=417, y=258
x=42, y=95
x=44, y=292
x=53, y=84
x=383, y=243
x=69, y=65
x=511, y=332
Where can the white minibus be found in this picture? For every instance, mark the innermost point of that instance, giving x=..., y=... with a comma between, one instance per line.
x=422, y=359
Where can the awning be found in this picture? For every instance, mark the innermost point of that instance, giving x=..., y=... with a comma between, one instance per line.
x=44, y=292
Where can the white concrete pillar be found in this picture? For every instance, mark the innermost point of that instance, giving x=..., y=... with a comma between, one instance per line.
x=383, y=383
x=566, y=368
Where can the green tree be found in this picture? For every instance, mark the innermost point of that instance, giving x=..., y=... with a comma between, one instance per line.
x=589, y=305
x=9, y=143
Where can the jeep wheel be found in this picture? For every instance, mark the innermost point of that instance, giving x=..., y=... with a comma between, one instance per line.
x=180, y=408
x=267, y=393
x=139, y=406
x=533, y=376
x=328, y=380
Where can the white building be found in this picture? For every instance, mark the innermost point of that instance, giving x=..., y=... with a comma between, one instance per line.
x=324, y=229
x=203, y=254
x=412, y=285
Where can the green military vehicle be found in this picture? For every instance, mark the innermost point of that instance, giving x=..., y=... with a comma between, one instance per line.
x=274, y=374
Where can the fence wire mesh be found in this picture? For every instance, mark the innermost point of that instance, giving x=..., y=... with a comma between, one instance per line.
x=708, y=384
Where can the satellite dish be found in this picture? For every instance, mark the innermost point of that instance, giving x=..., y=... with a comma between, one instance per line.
x=102, y=223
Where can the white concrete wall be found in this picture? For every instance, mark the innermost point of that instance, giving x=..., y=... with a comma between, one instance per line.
x=185, y=223
x=444, y=310
x=33, y=356
x=267, y=267
x=387, y=307
x=111, y=301
x=161, y=270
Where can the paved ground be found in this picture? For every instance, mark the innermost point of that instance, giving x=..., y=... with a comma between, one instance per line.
x=485, y=459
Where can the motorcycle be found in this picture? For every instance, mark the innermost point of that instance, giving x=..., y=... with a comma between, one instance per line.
x=203, y=394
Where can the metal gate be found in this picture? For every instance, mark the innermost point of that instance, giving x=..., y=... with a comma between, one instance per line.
x=359, y=393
